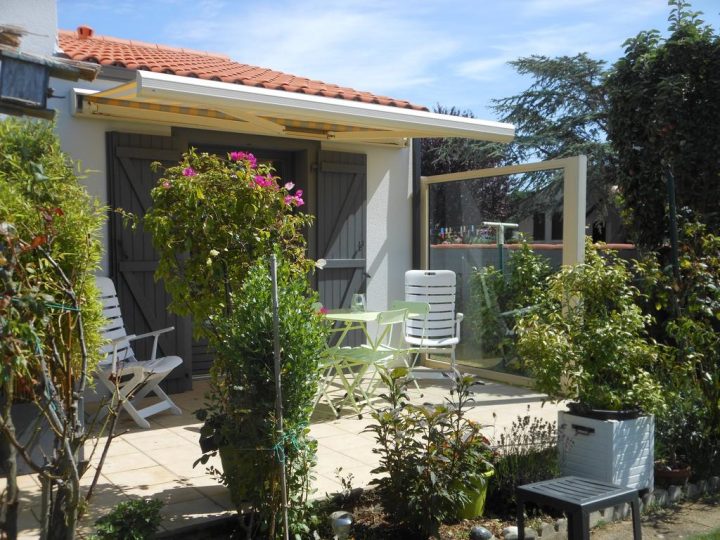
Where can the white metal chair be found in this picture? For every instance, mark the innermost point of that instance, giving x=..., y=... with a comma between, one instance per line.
x=439, y=332
x=135, y=379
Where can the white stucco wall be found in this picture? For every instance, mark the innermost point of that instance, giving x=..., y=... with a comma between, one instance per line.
x=36, y=16
x=389, y=220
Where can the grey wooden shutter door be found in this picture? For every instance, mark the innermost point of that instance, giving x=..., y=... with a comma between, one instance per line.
x=133, y=258
x=341, y=225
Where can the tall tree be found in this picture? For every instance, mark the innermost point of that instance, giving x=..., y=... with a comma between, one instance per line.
x=464, y=202
x=562, y=113
x=664, y=114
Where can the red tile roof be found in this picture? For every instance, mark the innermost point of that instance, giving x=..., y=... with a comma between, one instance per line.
x=84, y=45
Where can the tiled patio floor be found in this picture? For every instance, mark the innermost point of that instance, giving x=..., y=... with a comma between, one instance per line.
x=157, y=462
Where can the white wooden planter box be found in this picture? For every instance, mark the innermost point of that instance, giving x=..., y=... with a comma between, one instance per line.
x=617, y=451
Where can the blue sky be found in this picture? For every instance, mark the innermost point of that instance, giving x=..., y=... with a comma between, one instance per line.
x=453, y=52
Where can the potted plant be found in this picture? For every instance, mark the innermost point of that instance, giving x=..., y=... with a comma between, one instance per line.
x=587, y=343
x=435, y=464
x=214, y=223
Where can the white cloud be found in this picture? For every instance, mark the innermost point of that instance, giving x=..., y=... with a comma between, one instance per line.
x=375, y=48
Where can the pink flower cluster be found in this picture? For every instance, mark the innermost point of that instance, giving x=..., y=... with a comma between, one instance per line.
x=244, y=156
x=265, y=181
x=189, y=171
x=296, y=199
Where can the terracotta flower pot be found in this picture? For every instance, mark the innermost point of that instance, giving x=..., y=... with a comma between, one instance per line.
x=675, y=476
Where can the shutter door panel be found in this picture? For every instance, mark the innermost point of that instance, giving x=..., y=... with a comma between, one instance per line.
x=133, y=258
x=341, y=226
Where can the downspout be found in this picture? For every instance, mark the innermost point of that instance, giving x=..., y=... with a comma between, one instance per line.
x=416, y=149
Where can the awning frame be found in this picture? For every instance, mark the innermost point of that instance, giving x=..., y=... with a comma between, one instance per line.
x=263, y=111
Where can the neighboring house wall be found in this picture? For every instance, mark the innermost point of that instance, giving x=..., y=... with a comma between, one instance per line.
x=36, y=16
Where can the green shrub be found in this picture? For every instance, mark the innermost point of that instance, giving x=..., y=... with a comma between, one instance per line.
x=526, y=452
x=687, y=314
x=130, y=520
x=587, y=340
x=430, y=456
x=239, y=413
x=215, y=222
x=50, y=314
x=493, y=293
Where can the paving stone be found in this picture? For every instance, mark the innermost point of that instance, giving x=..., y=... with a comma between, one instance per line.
x=620, y=512
x=692, y=491
x=714, y=484
x=595, y=518
x=675, y=493
x=661, y=497
x=647, y=500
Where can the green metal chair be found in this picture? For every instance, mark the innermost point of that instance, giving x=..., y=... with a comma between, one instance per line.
x=356, y=368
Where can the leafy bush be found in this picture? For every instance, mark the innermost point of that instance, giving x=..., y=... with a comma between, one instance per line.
x=664, y=111
x=239, y=412
x=221, y=215
x=50, y=314
x=686, y=310
x=526, y=452
x=587, y=340
x=492, y=293
x=130, y=520
x=430, y=456
x=214, y=223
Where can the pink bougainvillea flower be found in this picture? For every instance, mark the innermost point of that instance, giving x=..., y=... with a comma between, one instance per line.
x=251, y=159
x=298, y=197
x=166, y=184
x=263, y=181
x=295, y=199
x=289, y=185
x=236, y=156
x=189, y=171
x=323, y=310
x=244, y=156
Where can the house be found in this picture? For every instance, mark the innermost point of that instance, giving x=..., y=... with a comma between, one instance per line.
x=352, y=152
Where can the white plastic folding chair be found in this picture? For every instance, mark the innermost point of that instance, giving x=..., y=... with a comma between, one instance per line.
x=439, y=332
x=135, y=379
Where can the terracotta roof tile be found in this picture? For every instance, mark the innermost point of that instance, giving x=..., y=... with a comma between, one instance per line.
x=131, y=54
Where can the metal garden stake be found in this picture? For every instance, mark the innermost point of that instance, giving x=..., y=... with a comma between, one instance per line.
x=278, y=392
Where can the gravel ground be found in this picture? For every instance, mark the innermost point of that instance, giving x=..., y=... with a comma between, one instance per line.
x=680, y=521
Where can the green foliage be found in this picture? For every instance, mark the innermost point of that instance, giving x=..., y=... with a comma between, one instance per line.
x=214, y=223
x=688, y=315
x=431, y=456
x=50, y=314
x=44, y=212
x=493, y=294
x=526, y=452
x=664, y=113
x=211, y=218
x=239, y=413
x=130, y=520
x=587, y=339
x=563, y=113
